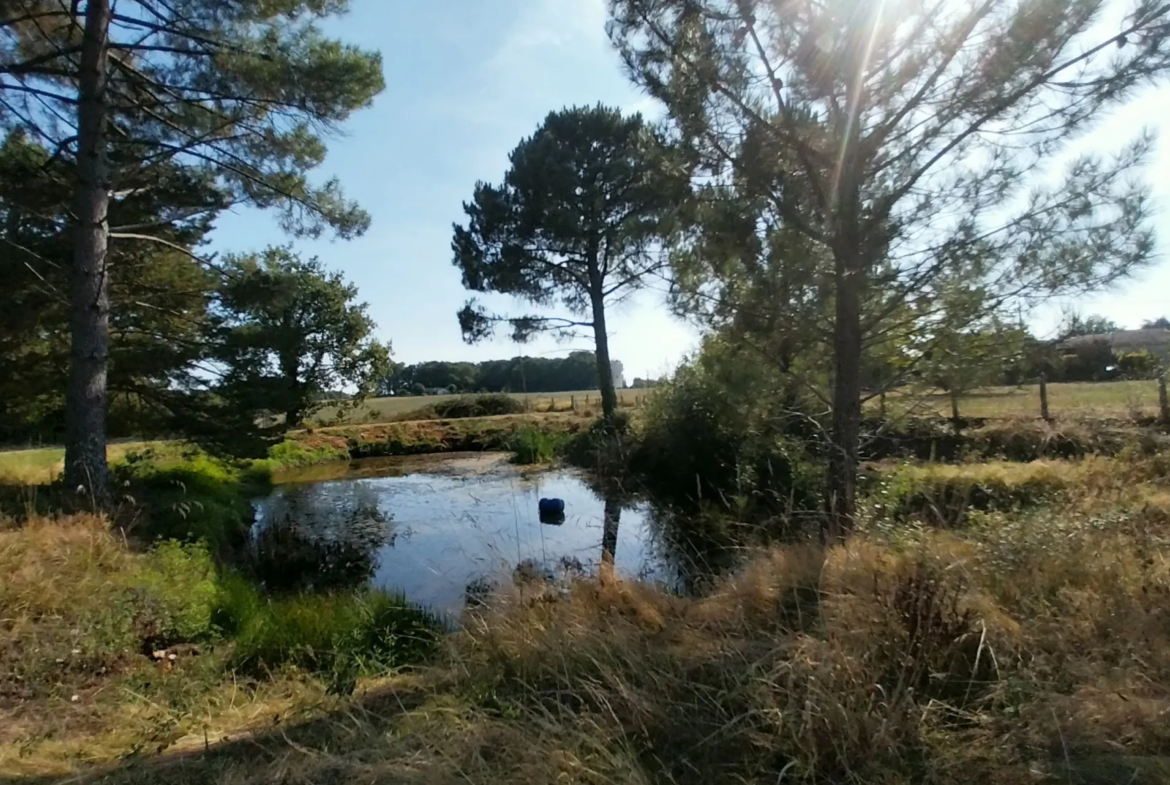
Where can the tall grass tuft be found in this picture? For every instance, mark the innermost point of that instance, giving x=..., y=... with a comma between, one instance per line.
x=532, y=445
x=340, y=635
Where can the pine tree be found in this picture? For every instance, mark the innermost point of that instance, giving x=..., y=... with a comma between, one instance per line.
x=238, y=91
x=898, y=137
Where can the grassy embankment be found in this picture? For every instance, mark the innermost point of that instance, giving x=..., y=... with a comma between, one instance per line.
x=1026, y=641
x=989, y=622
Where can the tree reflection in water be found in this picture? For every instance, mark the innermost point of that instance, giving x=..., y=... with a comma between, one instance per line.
x=609, y=534
x=313, y=537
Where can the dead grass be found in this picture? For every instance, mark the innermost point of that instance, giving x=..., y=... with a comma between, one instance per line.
x=1030, y=646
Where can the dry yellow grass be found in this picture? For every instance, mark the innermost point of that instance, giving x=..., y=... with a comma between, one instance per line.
x=1081, y=400
x=376, y=410
x=1027, y=648
x=40, y=466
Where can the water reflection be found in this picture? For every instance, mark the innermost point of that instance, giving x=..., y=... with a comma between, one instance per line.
x=444, y=535
x=319, y=537
x=609, y=534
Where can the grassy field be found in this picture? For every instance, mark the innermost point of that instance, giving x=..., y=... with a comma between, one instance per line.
x=1084, y=400
x=40, y=465
x=396, y=407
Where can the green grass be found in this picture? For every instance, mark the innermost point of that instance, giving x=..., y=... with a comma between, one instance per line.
x=1029, y=647
x=535, y=446
x=1085, y=400
x=340, y=636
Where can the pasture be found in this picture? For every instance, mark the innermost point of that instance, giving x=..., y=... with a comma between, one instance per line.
x=389, y=409
x=1126, y=400
x=1072, y=400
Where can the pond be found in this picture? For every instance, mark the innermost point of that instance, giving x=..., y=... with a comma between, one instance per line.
x=438, y=528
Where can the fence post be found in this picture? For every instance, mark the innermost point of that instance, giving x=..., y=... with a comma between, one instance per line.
x=1163, y=400
x=1044, y=398
x=573, y=402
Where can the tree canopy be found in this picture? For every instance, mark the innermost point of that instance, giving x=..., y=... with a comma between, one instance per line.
x=239, y=95
x=577, y=222
x=575, y=371
x=905, y=145
x=289, y=332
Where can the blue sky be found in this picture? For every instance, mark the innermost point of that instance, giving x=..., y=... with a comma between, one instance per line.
x=465, y=81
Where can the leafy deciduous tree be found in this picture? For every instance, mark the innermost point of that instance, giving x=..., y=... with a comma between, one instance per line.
x=289, y=332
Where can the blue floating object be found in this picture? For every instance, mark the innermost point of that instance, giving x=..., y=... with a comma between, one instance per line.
x=551, y=506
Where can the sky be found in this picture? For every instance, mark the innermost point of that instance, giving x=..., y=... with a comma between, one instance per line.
x=465, y=81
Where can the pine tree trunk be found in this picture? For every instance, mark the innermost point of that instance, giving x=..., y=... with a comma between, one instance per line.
x=89, y=301
x=849, y=259
x=601, y=339
x=846, y=425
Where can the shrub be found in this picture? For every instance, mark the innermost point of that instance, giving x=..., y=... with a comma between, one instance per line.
x=603, y=446
x=702, y=437
x=487, y=405
x=176, y=592
x=295, y=453
x=531, y=445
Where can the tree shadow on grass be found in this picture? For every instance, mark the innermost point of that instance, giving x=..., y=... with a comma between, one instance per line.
x=332, y=747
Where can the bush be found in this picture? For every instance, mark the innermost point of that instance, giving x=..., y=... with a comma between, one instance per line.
x=177, y=593
x=604, y=446
x=532, y=445
x=483, y=405
x=199, y=498
x=704, y=436
x=488, y=405
x=293, y=454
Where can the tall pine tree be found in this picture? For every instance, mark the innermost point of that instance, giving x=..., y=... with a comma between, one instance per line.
x=241, y=92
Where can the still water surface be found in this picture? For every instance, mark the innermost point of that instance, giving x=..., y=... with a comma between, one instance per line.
x=430, y=528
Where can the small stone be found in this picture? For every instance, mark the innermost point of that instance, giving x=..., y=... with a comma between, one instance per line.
x=172, y=657
x=60, y=660
x=76, y=652
x=75, y=698
x=160, y=654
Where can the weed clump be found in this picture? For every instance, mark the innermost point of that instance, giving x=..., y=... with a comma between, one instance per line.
x=531, y=445
x=341, y=636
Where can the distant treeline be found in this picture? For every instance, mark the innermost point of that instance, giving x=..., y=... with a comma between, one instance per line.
x=577, y=371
